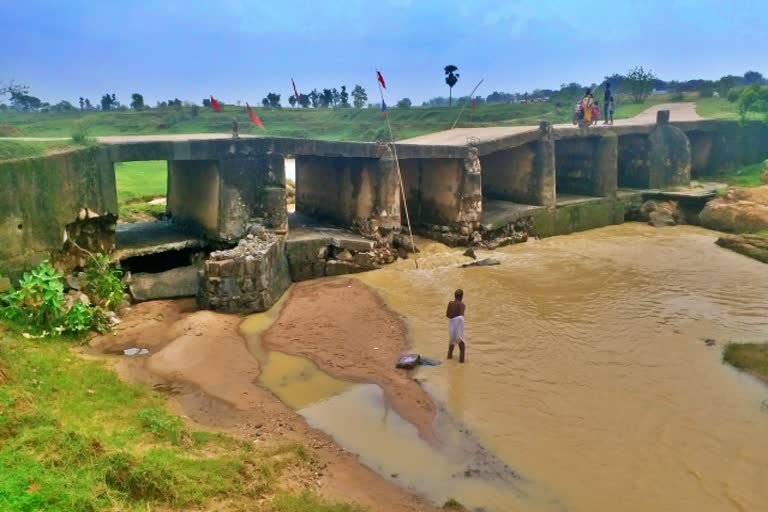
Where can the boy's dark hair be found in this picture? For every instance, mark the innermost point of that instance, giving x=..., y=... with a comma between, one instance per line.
x=597, y=103
x=458, y=294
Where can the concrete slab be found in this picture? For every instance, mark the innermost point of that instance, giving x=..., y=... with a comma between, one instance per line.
x=497, y=214
x=143, y=238
x=569, y=199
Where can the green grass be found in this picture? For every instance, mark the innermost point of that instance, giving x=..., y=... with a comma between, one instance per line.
x=747, y=176
x=749, y=357
x=720, y=108
x=74, y=437
x=11, y=149
x=137, y=183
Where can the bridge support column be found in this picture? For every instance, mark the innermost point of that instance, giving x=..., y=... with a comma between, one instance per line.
x=544, y=167
x=669, y=157
x=605, y=178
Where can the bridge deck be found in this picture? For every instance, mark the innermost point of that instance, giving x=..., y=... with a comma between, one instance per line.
x=144, y=238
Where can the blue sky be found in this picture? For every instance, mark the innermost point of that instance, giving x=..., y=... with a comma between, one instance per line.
x=240, y=50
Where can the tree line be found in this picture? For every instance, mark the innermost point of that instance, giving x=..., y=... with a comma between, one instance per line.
x=635, y=85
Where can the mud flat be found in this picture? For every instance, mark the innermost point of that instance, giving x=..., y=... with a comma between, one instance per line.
x=201, y=360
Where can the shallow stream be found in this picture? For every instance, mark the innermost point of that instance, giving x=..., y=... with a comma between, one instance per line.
x=587, y=374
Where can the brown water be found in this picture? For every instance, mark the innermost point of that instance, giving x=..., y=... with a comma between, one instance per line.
x=587, y=371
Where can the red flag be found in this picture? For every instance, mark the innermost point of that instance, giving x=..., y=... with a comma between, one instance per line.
x=474, y=104
x=254, y=118
x=381, y=79
x=215, y=104
x=295, y=92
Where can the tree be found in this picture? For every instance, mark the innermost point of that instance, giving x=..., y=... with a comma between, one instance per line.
x=13, y=88
x=753, y=77
x=451, y=77
x=273, y=100
x=326, y=99
x=360, y=98
x=25, y=102
x=88, y=105
x=404, y=103
x=336, y=97
x=304, y=100
x=137, y=101
x=207, y=102
x=265, y=102
x=108, y=102
x=639, y=83
x=753, y=99
x=314, y=97
x=82, y=103
x=344, y=95
x=292, y=100
x=63, y=106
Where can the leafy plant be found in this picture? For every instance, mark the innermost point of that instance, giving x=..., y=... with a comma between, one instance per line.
x=103, y=282
x=78, y=319
x=80, y=133
x=38, y=300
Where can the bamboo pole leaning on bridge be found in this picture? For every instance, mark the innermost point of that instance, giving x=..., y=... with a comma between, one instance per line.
x=379, y=81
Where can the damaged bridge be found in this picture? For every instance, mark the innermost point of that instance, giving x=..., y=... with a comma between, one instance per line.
x=466, y=187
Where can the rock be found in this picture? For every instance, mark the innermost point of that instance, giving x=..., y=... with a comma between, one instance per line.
x=403, y=241
x=740, y=210
x=485, y=262
x=5, y=284
x=339, y=268
x=470, y=253
x=344, y=255
x=174, y=283
x=754, y=246
x=83, y=299
x=477, y=237
x=72, y=282
x=661, y=213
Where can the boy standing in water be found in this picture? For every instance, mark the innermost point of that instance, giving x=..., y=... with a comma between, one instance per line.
x=455, y=314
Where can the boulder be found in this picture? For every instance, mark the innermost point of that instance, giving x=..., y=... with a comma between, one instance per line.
x=403, y=241
x=485, y=262
x=754, y=246
x=740, y=210
x=661, y=213
x=5, y=284
x=171, y=284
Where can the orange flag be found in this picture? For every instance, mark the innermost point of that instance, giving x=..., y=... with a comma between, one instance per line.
x=254, y=118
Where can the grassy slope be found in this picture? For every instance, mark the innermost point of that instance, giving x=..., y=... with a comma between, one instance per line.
x=750, y=357
x=10, y=149
x=720, y=108
x=331, y=124
x=747, y=176
x=74, y=437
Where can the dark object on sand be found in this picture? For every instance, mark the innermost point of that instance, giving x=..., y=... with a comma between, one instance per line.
x=470, y=253
x=408, y=361
x=485, y=262
x=411, y=361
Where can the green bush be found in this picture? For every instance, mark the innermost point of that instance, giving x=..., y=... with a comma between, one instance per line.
x=80, y=133
x=38, y=301
x=753, y=99
x=103, y=282
x=161, y=424
x=733, y=94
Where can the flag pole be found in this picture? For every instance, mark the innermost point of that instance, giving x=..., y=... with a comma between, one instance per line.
x=399, y=175
x=471, y=95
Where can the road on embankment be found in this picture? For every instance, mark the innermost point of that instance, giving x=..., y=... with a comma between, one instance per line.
x=455, y=137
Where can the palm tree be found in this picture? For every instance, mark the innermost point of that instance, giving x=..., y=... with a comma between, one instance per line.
x=451, y=78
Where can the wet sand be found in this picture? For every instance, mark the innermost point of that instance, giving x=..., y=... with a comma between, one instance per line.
x=201, y=360
x=347, y=331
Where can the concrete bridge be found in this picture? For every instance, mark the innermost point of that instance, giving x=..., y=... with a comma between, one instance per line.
x=464, y=187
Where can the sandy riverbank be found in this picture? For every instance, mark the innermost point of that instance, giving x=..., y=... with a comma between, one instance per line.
x=201, y=360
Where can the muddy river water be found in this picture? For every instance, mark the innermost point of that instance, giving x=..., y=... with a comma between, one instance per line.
x=587, y=374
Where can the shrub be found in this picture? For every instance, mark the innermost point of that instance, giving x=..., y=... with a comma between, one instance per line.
x=733, y=95
x=80, y=134
x=7, y=130
x=38, y=301
x=103, y=282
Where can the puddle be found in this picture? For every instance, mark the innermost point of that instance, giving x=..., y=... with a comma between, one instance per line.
x=296, y=381
x=360, y=421
x=135, y=351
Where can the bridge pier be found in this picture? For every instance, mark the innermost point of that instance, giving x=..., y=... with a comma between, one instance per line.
x=353, y=192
